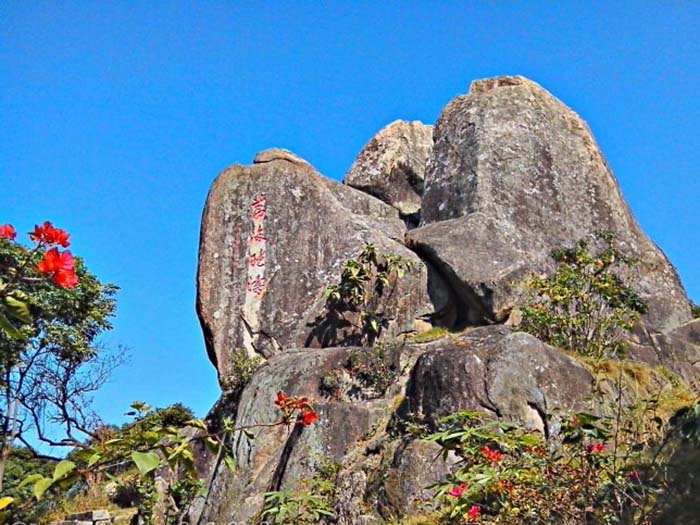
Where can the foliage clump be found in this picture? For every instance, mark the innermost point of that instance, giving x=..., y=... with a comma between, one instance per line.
x=586, y=305
x=602, y=470
x=359, y=301
x=243, y=366
x=366, y=374
x=309, y=503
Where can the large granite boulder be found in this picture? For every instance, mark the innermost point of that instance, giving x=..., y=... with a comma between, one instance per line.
x=510, y=375
x=515, y=173
x=391, y=166
x=280, y=457
x=677, y=350
x=274, y=236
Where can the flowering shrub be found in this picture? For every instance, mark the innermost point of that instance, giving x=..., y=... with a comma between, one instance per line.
x=52, y=311
x=164, y=450
x=600, y=470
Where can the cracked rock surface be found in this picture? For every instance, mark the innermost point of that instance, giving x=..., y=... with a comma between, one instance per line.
x=274, y=236
x=512, y=174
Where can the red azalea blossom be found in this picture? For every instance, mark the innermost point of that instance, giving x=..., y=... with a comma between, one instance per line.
x=61, y=266
x=596, y=448
x=7, y=231
x=281, y=399
x=456, y=492
x=492, y=456
x=633, y=475
x=50, y=235
x=473, y=513
x=65, y=279
x=308, y=417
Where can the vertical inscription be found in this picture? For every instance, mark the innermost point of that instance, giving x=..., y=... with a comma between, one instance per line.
x=256, y=283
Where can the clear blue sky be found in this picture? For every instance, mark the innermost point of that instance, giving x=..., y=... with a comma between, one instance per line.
x=115, y=117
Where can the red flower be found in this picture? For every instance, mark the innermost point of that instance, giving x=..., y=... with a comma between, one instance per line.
x=596, y=448
x=308, y=417
x=65, y=279
x=473, y=513
x=50, y=235
x=281, y=399
x=492, y=456
x=61, y=266
x=633, y=475
x=7, y=231
x=456, y=492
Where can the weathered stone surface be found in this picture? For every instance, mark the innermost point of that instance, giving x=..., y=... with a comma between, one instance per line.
x=280, y=457
x=677, y=350
x=511, y=375
x=274, y=236
x=391, y=166
x=415, y=467
x=514, y=173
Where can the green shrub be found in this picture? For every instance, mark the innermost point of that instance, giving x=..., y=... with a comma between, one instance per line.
x=586, y=305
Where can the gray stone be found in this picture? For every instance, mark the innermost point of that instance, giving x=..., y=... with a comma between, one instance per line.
x=514, y=174
x=415, y=467
x=677, y=350
x=274, y=236
x=279, y=457
x=510, y=375
x=391, y=166
x=93, y=515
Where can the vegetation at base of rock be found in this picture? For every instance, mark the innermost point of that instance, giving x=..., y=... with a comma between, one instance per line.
x=366, y=374
x=358, y=300
x=310, y=503
x=243, y=366
x=601, y=470
x=586, y=305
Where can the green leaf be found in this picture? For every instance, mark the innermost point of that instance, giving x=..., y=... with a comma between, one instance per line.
x=18, y=310
x=145, y=461
x=7, y=327
x=197, y=423
x=64, y=468
x=94, y=459
x=230, y=463
x=29, y=480
x=41, y=486
x=4, y=502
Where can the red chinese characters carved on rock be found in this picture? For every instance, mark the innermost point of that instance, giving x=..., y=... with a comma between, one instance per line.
x=257, y=285
x=257, y=241
x=257, y=259
x=258, y=234
x=258, y=211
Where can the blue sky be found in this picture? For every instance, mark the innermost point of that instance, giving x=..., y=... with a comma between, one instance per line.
x=116, y=117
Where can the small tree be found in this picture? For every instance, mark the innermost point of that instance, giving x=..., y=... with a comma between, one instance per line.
x=360, y=300
x=52, y=312
x=586, y=305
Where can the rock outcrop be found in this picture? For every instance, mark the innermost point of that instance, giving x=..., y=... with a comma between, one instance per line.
x=392, y=166
x=513, y=175
x=508, y=374
x=274, y=236
x=513, y=376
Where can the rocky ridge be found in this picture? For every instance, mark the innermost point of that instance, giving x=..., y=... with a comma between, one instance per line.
x=475, y=205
